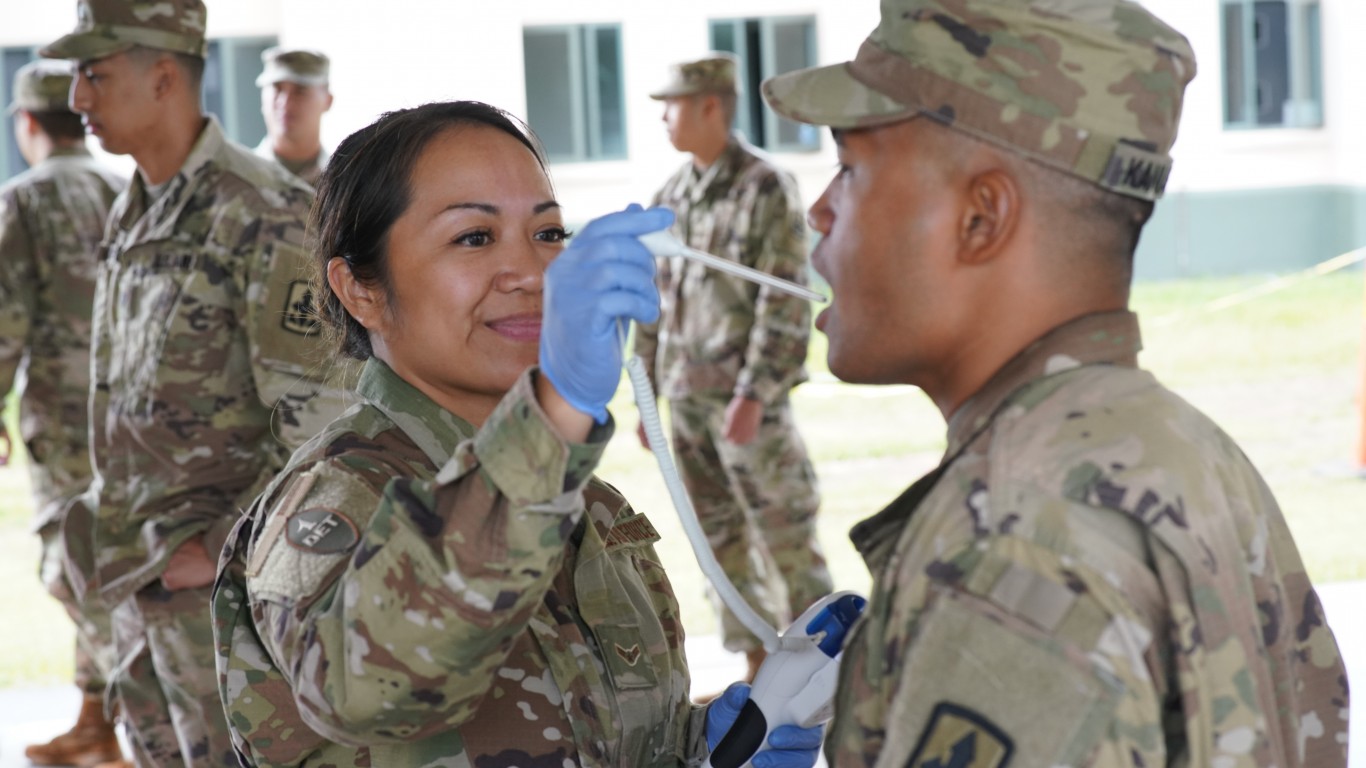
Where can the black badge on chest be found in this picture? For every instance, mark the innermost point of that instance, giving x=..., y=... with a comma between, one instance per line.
x=321, y=531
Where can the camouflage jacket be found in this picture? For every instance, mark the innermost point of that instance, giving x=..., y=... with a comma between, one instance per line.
x=207, y=360
x=718, y=334
x=51, y=221
x=309, y=171
x=411, y=592
x=1094, y=576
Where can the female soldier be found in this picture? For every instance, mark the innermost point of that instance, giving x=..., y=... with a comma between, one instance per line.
x=437, y=578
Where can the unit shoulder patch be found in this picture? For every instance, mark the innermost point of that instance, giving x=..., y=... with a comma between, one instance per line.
x=299, y=315
x=321, y=531
x=959, y=737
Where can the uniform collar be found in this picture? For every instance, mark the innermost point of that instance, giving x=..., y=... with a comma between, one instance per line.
x=207, y=148
x=434, y=429
x=77, y=150
x=1102, y=338
x=719, y=173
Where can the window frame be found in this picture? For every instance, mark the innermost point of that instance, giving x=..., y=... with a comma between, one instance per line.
x=1303, y=107
x=586, y=95
x=767, y=60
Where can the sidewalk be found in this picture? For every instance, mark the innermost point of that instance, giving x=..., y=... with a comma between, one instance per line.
x=29, y=715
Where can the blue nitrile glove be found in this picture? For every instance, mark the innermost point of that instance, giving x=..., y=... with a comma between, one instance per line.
x=604, y=275
x=788, y=745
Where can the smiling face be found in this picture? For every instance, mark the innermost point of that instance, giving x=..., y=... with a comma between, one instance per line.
x=462, y=317
x=887, y=222
x=117, y=99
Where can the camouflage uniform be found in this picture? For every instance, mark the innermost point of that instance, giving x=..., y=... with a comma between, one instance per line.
x=206, y=362
x=413, y=592
x=51, y=222
x=719, y=336
x=1111, y=563
x=309, y=68
x=310, y=170
x=1095, y=575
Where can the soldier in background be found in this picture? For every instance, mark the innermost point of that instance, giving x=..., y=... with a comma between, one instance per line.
x=294, y=96
x=726, y=353
x=1095, y=574
x=206, y=362
x=51, y=221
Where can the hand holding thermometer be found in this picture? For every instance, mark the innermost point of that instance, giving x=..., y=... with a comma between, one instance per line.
x=794, y=686
x=796, y=683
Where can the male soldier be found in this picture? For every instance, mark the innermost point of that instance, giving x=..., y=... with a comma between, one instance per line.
x=726, y=353
x=205, y=359
x=1095, y=574
x=51, y=221
x=294, y=96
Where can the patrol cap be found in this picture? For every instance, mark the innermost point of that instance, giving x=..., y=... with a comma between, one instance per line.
x=42, y=86
x=713, y=74
x=1090, y=87
x=107, y=27
x=285, y=65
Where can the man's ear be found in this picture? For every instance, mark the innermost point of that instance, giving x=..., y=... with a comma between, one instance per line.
x=363, y=302
x=991, y=213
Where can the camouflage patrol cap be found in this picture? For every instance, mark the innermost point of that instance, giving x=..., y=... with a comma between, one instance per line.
x=285, y=65
x=42, y=86
x=107, y=27
x=1091, y=87
x=713, y=74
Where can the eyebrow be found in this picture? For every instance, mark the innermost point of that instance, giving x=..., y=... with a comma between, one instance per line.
x=493, y=210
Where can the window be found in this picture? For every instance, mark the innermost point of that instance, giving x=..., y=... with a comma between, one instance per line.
x=1272, y=69
x=768, y=47
x=11, y=59
x=230, y=90
x=575, y=95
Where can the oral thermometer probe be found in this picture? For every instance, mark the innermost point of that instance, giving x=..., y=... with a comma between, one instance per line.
x=662, y=243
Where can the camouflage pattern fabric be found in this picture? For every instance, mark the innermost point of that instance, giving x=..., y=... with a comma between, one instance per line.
x=413, y=592
x=164, y=684
x=759, y=512
x=1090, y=87
x=51, y=222
x=1094, y=576
x=207, y=361
x=713, y=74
x=309, y=171
x=106, y=27
x=719, y=336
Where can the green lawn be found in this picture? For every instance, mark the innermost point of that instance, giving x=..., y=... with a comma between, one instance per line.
x=1281, y=374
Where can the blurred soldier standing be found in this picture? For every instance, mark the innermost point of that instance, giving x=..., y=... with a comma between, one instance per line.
x=51, y=221
x=1095, y=575
x=206, y=360
x=294, y=96
x=726, y=353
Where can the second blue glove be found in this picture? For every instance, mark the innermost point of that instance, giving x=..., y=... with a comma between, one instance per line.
x=604, y=275
x=788, y=745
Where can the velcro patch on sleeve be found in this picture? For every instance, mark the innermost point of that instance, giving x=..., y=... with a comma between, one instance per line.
x=299, y=315
x=958, y=737
x=310, y=533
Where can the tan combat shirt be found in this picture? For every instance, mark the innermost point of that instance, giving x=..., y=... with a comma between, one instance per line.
x=421, y=593
x=1094, y=576
x=207, y=359
x=719, y=335
x=51, y=224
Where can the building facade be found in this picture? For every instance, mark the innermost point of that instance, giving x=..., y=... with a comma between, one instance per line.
x=1270, y=167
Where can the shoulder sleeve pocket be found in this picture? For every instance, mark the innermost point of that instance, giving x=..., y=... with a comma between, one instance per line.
x=972, y=682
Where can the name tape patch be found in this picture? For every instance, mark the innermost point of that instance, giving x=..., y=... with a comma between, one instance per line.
x=321, y=531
